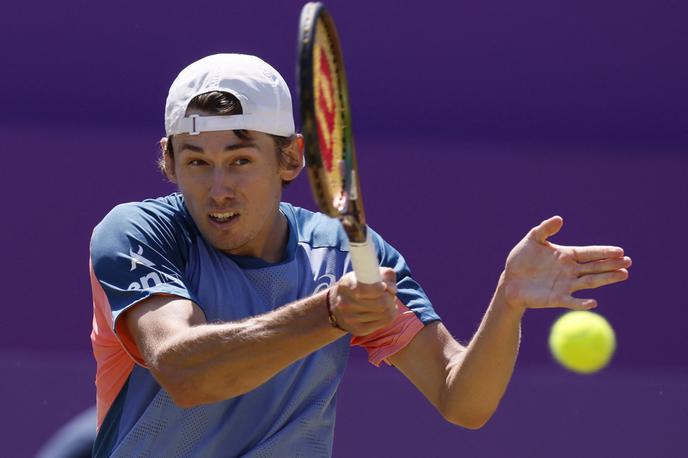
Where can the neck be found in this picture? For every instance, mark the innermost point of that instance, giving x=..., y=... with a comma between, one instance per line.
x=275, y=246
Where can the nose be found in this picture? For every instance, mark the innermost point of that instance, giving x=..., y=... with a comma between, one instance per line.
x=221, y=186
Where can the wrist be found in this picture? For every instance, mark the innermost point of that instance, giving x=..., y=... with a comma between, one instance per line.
x=504, y=300
x=330, y=313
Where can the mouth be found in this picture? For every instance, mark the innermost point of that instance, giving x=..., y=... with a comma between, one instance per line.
x=223, y=218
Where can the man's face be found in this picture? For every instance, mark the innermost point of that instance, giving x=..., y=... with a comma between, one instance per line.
x=232, y=188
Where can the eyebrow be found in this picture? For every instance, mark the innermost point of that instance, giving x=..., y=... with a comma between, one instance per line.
x=228, y=148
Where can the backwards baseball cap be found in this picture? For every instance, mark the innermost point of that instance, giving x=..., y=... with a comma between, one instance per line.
x=261, y=90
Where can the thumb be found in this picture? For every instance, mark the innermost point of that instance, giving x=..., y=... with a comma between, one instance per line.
x=547, y=228
x=389, y=278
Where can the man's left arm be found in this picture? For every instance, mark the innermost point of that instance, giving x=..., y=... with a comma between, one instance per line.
x=466, y=384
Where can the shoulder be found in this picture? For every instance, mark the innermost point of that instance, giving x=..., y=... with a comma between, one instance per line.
x=319, y=230
x=147, y=215
x=162, y=209
x=315, y=229
x=160, y=221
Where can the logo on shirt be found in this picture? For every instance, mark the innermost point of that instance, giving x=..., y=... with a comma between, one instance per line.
x=323, y=282
x=138, y=259
x=146, y=281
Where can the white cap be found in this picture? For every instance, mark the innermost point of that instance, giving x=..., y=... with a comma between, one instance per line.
x=261, y=90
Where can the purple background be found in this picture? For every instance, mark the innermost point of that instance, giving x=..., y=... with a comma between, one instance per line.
x=474, y=121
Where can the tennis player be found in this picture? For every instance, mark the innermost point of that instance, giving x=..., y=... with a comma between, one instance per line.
x=223, y=317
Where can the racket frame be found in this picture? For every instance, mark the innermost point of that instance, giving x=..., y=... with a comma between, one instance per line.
x=348, y=206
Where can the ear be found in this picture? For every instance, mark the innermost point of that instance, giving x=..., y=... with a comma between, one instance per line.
x=167, y=163
x=294, y=161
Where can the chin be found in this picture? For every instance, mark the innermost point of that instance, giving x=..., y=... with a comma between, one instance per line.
x=222, y=245
x=226, y=246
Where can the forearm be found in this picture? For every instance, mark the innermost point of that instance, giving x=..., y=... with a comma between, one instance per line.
x=212, y=362
x=478, y=376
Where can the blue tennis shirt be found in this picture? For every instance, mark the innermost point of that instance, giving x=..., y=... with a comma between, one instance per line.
x=153, y=247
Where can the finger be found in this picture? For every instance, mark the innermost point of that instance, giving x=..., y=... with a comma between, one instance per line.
x=388, y=274
x=376, y=305
x=596, y=280
x=607, y=265
x=362, y=291
x=547, y=228
x=370, y=290
x=389, y=278
x=574, y=303
x=391, y=288
x=372, y=317
x=596, y=253
x=365, y=323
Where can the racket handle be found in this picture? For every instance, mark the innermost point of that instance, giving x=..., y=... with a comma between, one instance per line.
x=364, y=261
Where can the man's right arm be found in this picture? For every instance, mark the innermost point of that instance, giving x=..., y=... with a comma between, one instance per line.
x=198, y=362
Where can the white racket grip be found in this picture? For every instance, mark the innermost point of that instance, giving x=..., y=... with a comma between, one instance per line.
x=364, y=260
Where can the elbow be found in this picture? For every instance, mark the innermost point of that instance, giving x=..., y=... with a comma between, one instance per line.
x=189, y=391
x=191, y=387
x=466, y=419
x=472, y=423
x=192, y=393
x=184, y=384
x=181, y=387
x=185, y=398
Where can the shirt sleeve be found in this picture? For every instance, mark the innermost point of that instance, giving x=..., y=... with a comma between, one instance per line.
x=415, y=309
x=139, y=250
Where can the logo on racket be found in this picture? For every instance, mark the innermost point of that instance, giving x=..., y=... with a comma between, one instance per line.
x=325, y=108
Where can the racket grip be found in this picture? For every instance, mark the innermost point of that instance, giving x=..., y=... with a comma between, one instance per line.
x=364, y=261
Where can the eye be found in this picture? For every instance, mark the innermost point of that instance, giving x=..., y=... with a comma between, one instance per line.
x=197, y=162
x=242, y=161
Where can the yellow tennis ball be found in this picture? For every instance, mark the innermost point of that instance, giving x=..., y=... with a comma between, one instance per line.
x=582, y=341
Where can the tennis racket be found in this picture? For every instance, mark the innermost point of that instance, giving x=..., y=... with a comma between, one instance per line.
x=329, y=145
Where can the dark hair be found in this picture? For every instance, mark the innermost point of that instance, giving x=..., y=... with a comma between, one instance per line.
x=219, y=103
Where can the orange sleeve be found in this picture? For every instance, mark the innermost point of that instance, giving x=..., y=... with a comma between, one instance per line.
x=385, y=342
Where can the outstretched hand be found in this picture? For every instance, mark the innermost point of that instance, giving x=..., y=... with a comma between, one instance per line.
x=540, y=274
